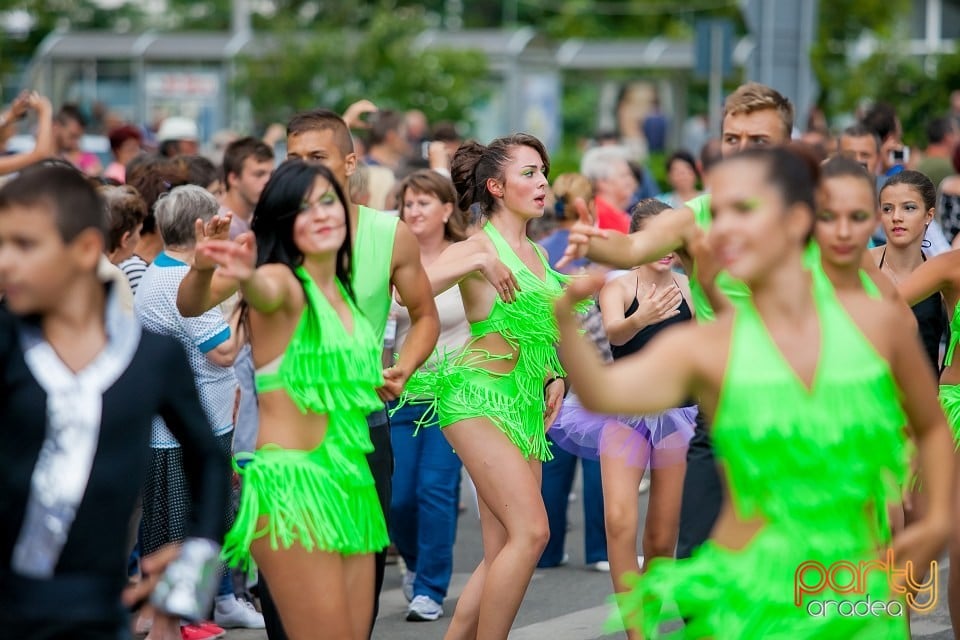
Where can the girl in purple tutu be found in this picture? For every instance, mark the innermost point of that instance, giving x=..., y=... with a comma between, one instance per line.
x=636, y=306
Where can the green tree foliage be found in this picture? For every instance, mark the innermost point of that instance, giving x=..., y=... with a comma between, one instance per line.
x=918, y=87
x=47, y=15
x=335, y=67
x=841, y=22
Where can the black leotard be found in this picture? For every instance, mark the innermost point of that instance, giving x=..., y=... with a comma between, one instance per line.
x=932, y=322
x=642, y=337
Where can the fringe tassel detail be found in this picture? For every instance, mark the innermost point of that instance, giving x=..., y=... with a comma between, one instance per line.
x=322, y=502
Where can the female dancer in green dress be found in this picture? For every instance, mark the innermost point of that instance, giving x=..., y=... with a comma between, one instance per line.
x=496, y=395
x=846, y=218
x=806, y=424
x=309, y=512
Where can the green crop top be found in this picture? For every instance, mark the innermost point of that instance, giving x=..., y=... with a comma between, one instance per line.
x=324, y=368
x=782, y=444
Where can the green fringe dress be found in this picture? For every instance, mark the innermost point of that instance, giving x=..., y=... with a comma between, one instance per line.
x=950, y=393
x=323, y=499
x=459, y=388
x=816, y=465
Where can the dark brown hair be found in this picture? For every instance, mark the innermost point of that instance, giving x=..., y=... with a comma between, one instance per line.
x=65, y=192
x=200, y=171
x=125, y=211
x=151, y=179
x=473, y=164
x=322, y=120
x=238, y=151
x=843, y=167
x=646, y=208
x=917, y=181
x=381, y=124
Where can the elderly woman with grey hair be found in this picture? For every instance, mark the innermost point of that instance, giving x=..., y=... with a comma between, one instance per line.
x=211, y=347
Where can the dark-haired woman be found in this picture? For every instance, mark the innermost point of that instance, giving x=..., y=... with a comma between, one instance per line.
x=798, y=385
x=496, y=396
x=908, y=204
x=309, y=513
x=940, y=276
x=845, y=221
x=684, y=178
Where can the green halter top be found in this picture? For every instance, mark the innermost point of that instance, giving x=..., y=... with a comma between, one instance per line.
x=462, y=387
x=815, y=465
x=783, y=444
x=534, y=297
x=324, y=368
x=527, y=323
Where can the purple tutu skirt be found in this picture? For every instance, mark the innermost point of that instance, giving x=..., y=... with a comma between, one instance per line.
x=659, y=440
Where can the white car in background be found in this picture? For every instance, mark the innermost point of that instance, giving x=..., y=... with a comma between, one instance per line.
x=97, y=145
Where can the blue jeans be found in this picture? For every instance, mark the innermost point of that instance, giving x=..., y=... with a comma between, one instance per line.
x=423, y=510
x=557, y=483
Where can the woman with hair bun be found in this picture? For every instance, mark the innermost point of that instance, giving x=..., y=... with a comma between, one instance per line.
x=496, y=396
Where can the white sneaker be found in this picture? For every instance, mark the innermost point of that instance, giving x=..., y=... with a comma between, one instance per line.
x=234, y=613
x=407, y=587
x=644, y=484
x=603, y=566
x=423, y=609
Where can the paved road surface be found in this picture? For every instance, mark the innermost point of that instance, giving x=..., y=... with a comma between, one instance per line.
x=565, y=603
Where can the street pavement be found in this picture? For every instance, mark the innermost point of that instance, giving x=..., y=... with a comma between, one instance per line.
x=562, y=603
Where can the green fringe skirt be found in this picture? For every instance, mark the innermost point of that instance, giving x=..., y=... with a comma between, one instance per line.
x=457, y=391
x=321, y=499
x=950, y=401
x=753, y=593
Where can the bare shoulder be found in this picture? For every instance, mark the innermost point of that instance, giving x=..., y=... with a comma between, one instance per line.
x=681, y=279
x=277, y=271
x=405, y=245
x=624, y=280
x=880, y=321
x=615, y=288
x=478, y=242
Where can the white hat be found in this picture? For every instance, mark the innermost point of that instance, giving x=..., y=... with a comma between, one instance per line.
x=177, y=128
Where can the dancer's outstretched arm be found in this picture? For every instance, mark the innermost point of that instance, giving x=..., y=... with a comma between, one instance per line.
x=665, y=370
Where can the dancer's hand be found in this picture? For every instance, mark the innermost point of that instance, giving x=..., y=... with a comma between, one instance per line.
x=580, y=234
x=501, y=278
x=394, y=379
x=217, y=228
x=237, y=260
x=554, y=401
x=915, y=549
x=353, y=116
x=655, y=306
x=152, y=567
x=20, y=105
x=581, y=287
